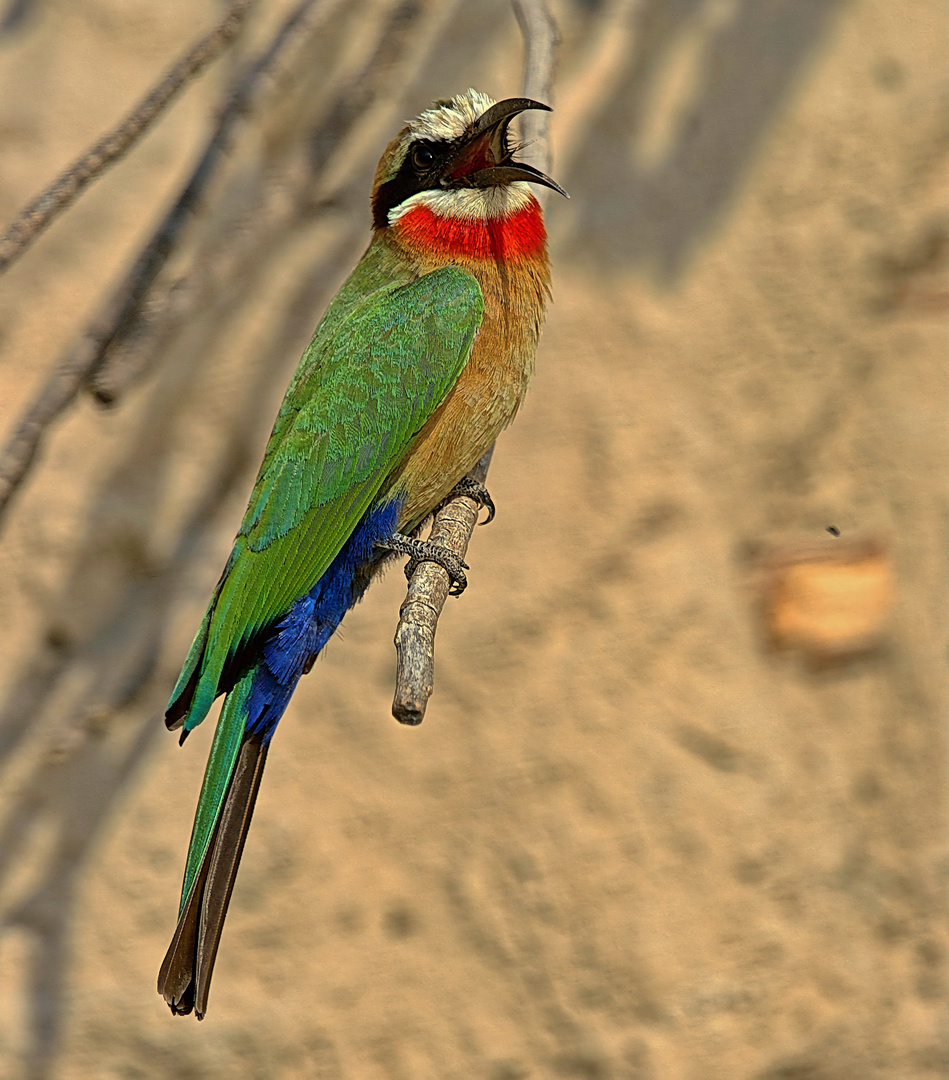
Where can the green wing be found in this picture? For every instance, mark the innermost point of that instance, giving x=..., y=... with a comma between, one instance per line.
x=378, y=366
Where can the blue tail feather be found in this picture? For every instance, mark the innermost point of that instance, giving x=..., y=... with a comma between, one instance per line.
x=301, y=634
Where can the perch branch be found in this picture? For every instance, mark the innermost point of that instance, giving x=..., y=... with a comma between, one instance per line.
x=455, y=521
x=37, y=216
x=424, y=600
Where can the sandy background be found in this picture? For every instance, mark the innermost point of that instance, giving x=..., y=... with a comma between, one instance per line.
x=631, y=841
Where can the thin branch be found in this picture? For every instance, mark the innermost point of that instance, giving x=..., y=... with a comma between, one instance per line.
x=55, y=396
x=117, y=318
x=36, y=217
x=126, y=315
x=455, y=521
x=541, y=38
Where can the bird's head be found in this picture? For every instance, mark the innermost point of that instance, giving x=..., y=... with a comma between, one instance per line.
x=456, y=159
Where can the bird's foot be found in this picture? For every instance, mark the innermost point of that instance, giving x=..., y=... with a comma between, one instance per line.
x=426, y=551
x=475, y=490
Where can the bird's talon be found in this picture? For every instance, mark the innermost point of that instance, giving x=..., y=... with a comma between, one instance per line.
x=426, y=551
x=476, y=491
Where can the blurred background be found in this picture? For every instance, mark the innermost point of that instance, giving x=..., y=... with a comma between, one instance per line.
x=678, y=808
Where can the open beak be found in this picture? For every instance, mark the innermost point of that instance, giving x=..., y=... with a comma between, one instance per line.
x=484, y=159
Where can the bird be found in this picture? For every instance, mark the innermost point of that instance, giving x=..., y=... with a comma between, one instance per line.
x=420, y=360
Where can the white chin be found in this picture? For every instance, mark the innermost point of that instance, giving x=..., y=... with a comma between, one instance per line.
x=490, y=202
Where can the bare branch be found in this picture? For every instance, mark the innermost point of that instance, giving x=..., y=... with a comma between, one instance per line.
x=37, y=216
x=127, y=318
x=117, y=321
x=541, y=38
x=455, y=521
x=19, y=452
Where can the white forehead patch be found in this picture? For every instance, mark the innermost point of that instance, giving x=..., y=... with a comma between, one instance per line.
x=448, y=120
x=469, y=203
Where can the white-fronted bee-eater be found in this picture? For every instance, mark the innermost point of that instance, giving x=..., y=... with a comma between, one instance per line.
x=422, y=358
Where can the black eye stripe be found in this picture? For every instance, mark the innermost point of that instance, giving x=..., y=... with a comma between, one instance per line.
x=414, y=175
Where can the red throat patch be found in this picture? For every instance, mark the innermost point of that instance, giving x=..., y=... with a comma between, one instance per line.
x=505, y=239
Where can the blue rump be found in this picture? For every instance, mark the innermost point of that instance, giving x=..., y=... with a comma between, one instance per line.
x=310, y=622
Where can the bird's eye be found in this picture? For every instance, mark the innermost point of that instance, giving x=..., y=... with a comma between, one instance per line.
x=422, y=157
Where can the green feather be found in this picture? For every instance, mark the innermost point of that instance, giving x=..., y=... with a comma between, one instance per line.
x=217, y=776
x=381, y=361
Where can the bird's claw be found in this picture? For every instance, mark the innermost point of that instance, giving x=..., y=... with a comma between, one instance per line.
x=475, y=490
x=448, y=561
x=425, y=551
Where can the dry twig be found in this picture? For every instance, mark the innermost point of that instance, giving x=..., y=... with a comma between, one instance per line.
x=125, y=313
x=455, y=521
x=541, y=38
x=132, y=313
x=34, y=218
